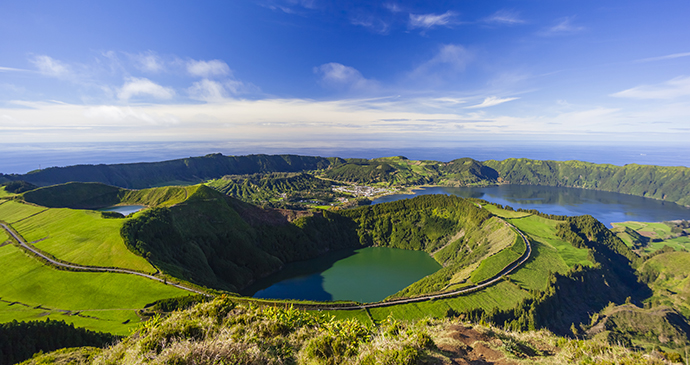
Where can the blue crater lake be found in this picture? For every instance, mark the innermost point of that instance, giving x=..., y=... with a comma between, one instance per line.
x=364, y=275
x=124, y=209
x=605, y=206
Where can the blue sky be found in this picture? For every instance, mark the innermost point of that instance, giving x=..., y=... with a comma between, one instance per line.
x=315, y=73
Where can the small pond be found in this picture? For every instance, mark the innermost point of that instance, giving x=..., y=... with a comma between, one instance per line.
x=364, y=275
x=124, y=209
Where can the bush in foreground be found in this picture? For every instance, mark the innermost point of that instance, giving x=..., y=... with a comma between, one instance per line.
x=220, y=332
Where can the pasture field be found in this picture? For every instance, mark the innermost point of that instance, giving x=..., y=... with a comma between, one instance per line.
x=108, y=299
x=78, y=236
x=4, y=193
x=549, y=252
x=503, y=295
x=12, y=211
x=499, y=236
x=659, y=235
x=82, y=237
x=3, y=236
x=159, y=197
x=492, y=265
x=672, y=286
x=504, y=213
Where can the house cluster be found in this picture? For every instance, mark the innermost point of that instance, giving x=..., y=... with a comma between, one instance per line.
x=366, y=191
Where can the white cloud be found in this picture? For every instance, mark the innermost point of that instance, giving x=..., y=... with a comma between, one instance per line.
x=340, y=76
x=428, y=21
x=369, y=21
x=148, y=62
x=677, y=87
x=128, y=114
x=141, y=86
x=667, y=57
x=208, y=68
x=207, y=90
x=491, y=101
x=450, y=59
x=9, y=69
x=564, y=26
x=504, y=17
x=50, y=67
x=394, y=8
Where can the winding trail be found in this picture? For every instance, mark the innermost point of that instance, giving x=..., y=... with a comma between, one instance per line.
x=76, y=267
x=486, y=283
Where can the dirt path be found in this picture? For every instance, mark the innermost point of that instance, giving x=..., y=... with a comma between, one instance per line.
x=76, y=267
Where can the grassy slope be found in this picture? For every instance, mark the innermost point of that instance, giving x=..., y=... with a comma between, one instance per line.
x=498, y=237
x=4, y=193
x=78, y=236
x=159, y=197
x=503, y=295
x=108, y=297
x=653, y=230
x=81, y=237
x=672, y=286
x=550, y=253
x=12, y=211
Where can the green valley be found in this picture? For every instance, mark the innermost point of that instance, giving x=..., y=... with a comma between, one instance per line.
x=237, y=224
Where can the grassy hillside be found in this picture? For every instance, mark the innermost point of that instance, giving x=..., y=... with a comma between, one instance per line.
x=273, y=187
x=78, y=195
x=648, y=237
x=207, y=241
x=221, y=332
x=82, y=237
x=99, y=301
x=669, y=277
x=404, y=172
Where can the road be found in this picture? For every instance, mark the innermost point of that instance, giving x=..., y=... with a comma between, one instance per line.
x=76, y=267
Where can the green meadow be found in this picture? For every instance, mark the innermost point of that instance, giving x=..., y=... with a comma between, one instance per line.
x=672, y=284
x=657, y=235
x=105, y=301
x=82, y=237
x=12, y=211
x=503, y=295
x=4, y=193
x=549, y=252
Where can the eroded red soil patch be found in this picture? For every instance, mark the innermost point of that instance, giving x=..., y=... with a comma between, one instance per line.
x=475, y=348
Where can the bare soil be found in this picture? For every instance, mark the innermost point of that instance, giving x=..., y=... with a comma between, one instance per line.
x=473, y=347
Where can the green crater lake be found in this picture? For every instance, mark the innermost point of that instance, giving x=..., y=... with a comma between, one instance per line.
x=364, y=275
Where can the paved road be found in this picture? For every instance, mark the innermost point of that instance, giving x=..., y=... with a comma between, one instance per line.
x=91, y=268
x=498, y=277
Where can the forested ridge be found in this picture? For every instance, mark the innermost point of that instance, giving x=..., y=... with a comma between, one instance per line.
x=191, y=170
x=658, y=182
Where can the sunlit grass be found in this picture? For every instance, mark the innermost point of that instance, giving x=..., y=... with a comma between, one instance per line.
x=28, y=281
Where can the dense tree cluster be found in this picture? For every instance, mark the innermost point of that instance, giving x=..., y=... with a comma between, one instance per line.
x=20, y=340
x=18, y=187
